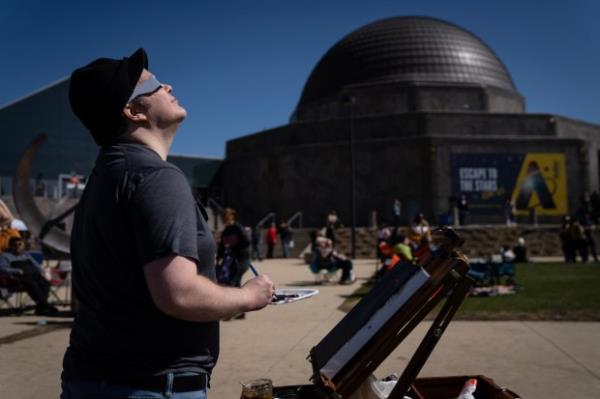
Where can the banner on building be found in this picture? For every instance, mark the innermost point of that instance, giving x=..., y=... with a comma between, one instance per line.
x=532, y=180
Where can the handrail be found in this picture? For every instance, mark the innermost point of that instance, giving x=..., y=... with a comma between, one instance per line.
x=297, y=215
x=214, y=205
x=211, y=203
x=270, y=215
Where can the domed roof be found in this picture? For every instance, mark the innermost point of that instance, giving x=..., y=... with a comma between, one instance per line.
x=406, y=49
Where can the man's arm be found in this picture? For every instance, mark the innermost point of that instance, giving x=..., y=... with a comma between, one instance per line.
x=34, y=262
x=178, y=290
x=5, y=267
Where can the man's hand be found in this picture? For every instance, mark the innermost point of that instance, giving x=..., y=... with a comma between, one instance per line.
x=260, y=291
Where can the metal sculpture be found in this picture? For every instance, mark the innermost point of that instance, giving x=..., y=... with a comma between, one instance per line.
x=45, y=228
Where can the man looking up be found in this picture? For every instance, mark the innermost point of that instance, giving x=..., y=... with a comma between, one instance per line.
x=142, y=253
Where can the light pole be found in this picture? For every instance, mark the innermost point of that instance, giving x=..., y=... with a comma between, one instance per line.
x=351, y=101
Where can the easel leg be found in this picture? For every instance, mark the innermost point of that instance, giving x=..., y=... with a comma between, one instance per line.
x=435, y=332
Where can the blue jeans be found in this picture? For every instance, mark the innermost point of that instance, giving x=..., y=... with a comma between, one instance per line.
x=100, y=389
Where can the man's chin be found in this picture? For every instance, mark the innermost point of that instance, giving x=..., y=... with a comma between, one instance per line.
x=180, y=116
x=183, y=114
x=174, y=121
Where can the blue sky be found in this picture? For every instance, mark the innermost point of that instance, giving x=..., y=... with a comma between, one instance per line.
x=239, y=66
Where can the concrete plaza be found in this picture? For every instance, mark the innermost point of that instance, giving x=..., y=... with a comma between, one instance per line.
x=535, y=359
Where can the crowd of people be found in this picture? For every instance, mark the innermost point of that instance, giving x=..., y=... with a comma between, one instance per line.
x=396, y=244
x=273, y=234
x=239, y=245
x=577, y=232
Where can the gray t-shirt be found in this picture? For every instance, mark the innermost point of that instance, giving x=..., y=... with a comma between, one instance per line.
x=136, y=208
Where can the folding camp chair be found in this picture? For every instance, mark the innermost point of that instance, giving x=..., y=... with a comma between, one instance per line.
x=60, y=283
x=10, y=286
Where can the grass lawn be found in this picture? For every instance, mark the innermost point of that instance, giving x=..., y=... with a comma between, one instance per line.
x=550, y=291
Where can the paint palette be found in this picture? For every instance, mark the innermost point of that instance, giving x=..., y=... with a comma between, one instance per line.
x=289, y=295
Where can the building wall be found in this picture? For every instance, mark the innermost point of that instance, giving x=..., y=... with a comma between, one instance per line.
x=316, y=179
x=502, y=102
x=589, y=151
x=199, y=171
x=69, y=146
x=459, y=99
x=306, y=166
x=400, y=98
x=489, y=125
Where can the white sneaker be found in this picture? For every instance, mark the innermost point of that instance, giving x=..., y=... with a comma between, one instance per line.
x=351, y=279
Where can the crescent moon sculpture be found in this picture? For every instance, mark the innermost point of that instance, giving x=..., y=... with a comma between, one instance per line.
x=42, y=227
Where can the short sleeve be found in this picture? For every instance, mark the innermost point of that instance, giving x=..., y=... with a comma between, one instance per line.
x=163, y=216
x=4, y=264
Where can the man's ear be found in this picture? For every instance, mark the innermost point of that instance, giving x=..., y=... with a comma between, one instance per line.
x=135, y=113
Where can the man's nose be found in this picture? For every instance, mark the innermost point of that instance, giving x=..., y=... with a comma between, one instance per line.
x=168, y=87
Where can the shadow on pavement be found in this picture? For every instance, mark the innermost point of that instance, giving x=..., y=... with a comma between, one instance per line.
x=39, y=329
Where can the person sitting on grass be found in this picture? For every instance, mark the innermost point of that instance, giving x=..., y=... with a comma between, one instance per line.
x=507, y=268
x=402, y=248
x=398, y=250
x=26, y=271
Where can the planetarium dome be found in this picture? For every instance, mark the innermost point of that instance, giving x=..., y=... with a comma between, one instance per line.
x=387, y=56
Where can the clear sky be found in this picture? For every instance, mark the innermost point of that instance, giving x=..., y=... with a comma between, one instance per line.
x=239, y=66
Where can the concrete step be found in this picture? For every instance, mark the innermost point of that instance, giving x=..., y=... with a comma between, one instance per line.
x=480, y=241
x=541, y=241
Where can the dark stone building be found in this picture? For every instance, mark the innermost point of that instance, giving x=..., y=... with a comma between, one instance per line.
x=425, y=111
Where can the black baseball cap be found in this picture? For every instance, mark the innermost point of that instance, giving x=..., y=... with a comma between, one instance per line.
x=99, y=91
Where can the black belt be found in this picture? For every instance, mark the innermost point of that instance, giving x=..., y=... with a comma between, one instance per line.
x=159, y=383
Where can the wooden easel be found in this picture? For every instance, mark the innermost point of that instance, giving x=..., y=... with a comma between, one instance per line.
x=448, y=281
x=459, y=289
